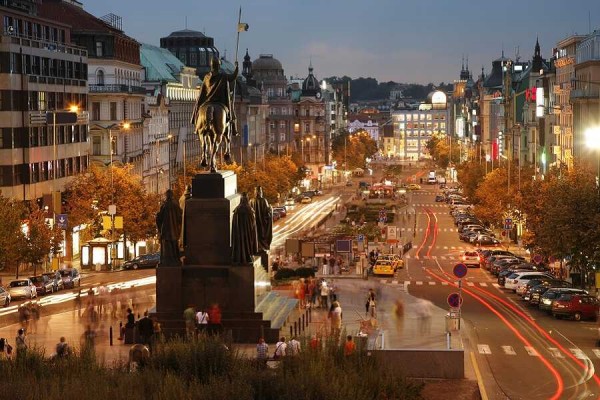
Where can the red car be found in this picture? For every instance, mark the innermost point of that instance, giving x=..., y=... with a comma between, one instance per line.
x=577, y=306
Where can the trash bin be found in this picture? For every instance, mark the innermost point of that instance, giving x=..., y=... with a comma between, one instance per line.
x=451, y=322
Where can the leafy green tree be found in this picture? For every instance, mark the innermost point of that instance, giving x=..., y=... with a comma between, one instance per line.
x=12, y=238
x=470, y=175
x=354, y=148
x=38, y=239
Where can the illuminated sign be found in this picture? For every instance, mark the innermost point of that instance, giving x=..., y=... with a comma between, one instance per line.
x=539, y=102
x=530, y=94
x=438, y=98
x=460, y=127
x=563, y=62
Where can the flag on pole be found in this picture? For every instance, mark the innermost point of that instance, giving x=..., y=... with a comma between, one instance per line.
x=243, y=27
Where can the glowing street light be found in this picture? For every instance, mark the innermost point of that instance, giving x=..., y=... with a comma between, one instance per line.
x=592, y=140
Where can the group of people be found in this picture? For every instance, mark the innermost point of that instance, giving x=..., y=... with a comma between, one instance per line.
x=315, y=293
x=29, y=316
x=333, y=266
x=204, y=320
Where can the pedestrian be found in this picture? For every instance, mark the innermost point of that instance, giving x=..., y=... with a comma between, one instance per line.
x=189, y=316
x=335, y=316
x=424, y=315
x=34, y=309
x=62, y=348
x=24, y=315
x=293, y=347
x=214, y=319
x=88, y=340
x=349, y=346
x=77, y=303
x=312, y=289
x=262, y=353
x=371, y=304
x=201, y=321
x=332, y=292
x=325, y=267
x=324, y=294
x=21, y=343
x=5, y=350
x=280, y=348
x=146, y=330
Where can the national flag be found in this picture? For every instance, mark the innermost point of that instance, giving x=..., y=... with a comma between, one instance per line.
x=243, y=27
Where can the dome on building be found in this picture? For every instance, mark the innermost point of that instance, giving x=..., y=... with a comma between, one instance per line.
x=266, y=62
x=310, y=86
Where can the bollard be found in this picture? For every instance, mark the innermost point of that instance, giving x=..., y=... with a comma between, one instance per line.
x=110, y=336
x=291, y=331
x=295, y=329
x=120, y=329
x=448, y=334
x=310, y=315
x=300, y=325
x=303, y=322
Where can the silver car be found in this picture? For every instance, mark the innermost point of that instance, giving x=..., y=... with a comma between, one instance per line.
x=22, y=288
x=4, y=297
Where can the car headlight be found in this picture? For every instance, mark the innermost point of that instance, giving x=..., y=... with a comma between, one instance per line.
x=546, y=301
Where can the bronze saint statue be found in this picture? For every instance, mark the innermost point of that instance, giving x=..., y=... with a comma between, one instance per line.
x=214, y=117
x=244, y=244
x=168, y=222
x=264, y=224
x=186, y=195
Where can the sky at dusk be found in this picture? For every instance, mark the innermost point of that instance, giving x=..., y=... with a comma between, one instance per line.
x=404, y=41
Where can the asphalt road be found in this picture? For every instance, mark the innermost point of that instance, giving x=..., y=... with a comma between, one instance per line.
x=522, y=353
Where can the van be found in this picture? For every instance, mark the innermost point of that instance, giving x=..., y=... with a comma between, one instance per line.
x=431, y=179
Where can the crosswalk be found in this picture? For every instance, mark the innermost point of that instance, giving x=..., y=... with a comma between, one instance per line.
x=554, y=352
x=404, y=284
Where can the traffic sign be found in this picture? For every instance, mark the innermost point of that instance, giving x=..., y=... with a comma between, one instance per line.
x=361, y=238
x=454, y=300
x=537, y=258
x=62, y=221
x=460, y=270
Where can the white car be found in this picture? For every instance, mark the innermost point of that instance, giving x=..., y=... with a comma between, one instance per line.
x=470, y=258
x=520, y=278
x=22, y=288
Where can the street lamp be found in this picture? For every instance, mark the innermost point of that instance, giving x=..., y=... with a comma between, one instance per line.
x=592, y=140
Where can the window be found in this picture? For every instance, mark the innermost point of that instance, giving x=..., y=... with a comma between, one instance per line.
x=273, y=125
x=42, y=105
x=281, y=125
x=282, y=137
x=99, y=49
x=306, y=127
x=100, y=77
x=113, y=110
x=96, y=111
x=307, y=112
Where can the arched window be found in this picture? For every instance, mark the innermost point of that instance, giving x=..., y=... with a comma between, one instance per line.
x=100, y=77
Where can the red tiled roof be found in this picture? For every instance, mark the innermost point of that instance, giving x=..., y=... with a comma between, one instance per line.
x=79, y=19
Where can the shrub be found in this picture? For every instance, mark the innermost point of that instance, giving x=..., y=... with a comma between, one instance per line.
x=305, y=272
x=284, y=273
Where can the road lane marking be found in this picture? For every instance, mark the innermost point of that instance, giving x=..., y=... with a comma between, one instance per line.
x=483, y=284
x=406, y=283
x=484, y=349
x=444, y=283
x=394, y=282
x=578, y=353
x=445, y=247
x=596, y=352
x=419, y=283
x=431, y=283
x=470, y=284
x=482, y=390
x=383, y=280
x=556, y=353
x=494, y=284
x=509, y=350
x=531, y=351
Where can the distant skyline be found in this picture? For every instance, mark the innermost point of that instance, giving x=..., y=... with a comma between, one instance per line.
x=411, y=42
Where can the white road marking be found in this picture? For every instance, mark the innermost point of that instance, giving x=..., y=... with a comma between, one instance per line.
x=531, y=351
x=419, y=283
x=483, y=284
x=470, y=284
x=578, y=353
x=596, y=352
x=509, y=350
x=484, y=349
x=406, y=283
x=496, y=285
x=444, y=283
x=431, y=283
x=556, y=353
x=445, y=247
x=383, y=280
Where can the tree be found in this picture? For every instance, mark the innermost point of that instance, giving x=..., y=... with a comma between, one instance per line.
x=12, y=238
x=353, y=148
x=38, y=239
x=88, y=196
x=470, y=175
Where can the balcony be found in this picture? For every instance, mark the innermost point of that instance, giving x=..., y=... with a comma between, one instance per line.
x=583, y=94
x=117, y=89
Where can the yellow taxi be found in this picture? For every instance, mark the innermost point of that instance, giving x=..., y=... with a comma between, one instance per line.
x=414, y=186
x=383, y=267
x=395, y=259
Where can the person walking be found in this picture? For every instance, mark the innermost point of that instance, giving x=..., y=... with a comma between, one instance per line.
x=5, y=350
x=280, y=348
x=335, y=315
x=262, y=353
x=293, y=347
x=202, y=320
x=189, y=316
x=146, y=330
x=21, y=343
x=324, y=294
x=349, y=346
x=214, y=319
x=371, y=304
x=62, y=348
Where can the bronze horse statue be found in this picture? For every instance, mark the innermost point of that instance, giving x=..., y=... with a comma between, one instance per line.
x=213, y=128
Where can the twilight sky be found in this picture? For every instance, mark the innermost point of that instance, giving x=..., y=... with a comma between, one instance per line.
x=405, y=41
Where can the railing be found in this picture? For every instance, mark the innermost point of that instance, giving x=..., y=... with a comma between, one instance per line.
x=589, y=93
x=116, y=89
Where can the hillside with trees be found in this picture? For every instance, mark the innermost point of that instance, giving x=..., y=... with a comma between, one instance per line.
x=364, y=89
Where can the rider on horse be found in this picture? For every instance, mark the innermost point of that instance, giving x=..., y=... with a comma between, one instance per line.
x=216, y=89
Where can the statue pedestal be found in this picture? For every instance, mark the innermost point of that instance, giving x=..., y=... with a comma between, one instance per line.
x=207, y=276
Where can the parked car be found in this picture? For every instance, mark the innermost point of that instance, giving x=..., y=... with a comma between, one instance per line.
x=70, y=277
x=149, y=260
x=519, y=278
x=4, y=297
x=553, y=294
x=538, y=291
x=22, y=288
x=576, y=306
x=486, y=240
x=439, y=198
x=55, y=277
x=42, y=284
x=276, y=215
x=348, y=183
x=289, y=202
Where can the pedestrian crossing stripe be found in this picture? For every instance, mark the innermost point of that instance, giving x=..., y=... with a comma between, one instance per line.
x=496, y=285
x=484, y=349
x=419, y=283
x=531, y=351
x=483, y=284
x=444, y=283
x=596, y=352
x=394, y=282
x=470, y=284
x=431, y=283
x=509, y=350
x=578, y=353
x=556, y=353
x=406, y=283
